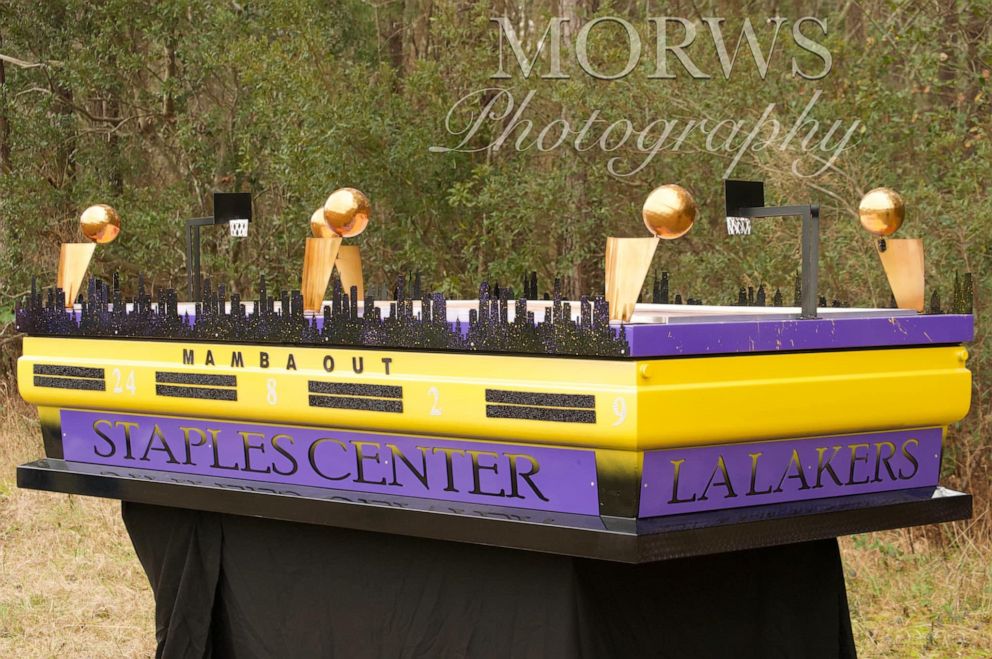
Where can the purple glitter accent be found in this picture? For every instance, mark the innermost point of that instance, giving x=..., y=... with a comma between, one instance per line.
x=715, y=338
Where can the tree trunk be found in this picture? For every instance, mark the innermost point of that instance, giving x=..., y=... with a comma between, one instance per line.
x=854, y=23
x=973, y=30
x=169, y=102
x=574, y=284
x=949, y=56
x=64, y=176
x=112, y=108
x=5, y=164
x=65, y=173
x=416, y=31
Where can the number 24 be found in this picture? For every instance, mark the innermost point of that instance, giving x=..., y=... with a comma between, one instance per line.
x=129, y=385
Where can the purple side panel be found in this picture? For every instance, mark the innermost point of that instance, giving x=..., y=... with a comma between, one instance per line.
x=683, y=339
x=700, y=478
x=519, y=476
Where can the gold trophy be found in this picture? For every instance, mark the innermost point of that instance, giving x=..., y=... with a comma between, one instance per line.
x=345, y=214
x=349, y=265
x=668, y=213
x=100, y=224
x=882, y=212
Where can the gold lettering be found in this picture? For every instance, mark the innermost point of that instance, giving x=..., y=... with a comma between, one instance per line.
x=249, y=447
x=360, y=459
x=477, y=467
x=312, y=454
x=855, y=459
x=398, y=456
x=215, y=445
x=754, y=476
x=794, y=460
x=677, y=464
x=286, y=454
x=880, y=460
x=526, y=475
x=721, y=466
x=909, y=456
x=157, y=433
x=822, y=466
x=113, y=447
x=448, y=452
x=128, y=426
x=189, y=445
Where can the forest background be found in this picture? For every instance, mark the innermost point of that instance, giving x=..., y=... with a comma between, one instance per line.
x=150, y=107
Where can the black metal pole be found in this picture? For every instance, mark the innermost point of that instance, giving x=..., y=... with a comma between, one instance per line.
x=810, y=248
x=193, y=254
x=811, y=261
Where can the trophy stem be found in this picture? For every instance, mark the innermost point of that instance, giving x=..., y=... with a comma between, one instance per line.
x=74, y=259
x=627, y=263
x=902, y=260
x=349, y=265
x=318, y=264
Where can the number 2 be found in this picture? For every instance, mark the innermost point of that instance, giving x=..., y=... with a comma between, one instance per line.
x=435, y=410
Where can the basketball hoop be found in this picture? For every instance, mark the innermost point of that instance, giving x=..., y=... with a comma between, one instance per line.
x=738, y=226
x=232, y=208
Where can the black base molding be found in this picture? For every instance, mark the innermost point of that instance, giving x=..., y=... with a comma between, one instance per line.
x=606, y=538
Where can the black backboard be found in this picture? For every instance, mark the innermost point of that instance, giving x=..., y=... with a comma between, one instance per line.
x=231, y=206
x=743, y=194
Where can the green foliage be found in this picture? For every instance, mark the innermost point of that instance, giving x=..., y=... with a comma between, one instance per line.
x=152, y=106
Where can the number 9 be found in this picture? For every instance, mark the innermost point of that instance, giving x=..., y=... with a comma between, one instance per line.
x=620, y=409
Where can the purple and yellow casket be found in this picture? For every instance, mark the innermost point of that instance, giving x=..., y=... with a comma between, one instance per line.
x=688, y=429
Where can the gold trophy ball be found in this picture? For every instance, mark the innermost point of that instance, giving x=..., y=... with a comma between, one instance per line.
x=100, y=223
x=346, y=212
x=319, y=226
x=669, y=211
x=882, y=211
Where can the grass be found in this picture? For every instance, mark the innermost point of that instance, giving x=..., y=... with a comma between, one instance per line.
x=911, y=598
x=70, y=585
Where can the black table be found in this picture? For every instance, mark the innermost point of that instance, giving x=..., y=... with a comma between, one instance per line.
x=587, y=536
x=245, y=569
x=230, y=585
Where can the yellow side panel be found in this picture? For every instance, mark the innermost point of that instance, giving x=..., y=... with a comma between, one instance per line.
x=684, y=402
x=633, y=405
x=442, y=393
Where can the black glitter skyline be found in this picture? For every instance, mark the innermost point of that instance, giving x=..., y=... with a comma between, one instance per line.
x=104, y=314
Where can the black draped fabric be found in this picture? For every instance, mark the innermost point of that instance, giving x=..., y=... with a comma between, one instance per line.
x=230, y=586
